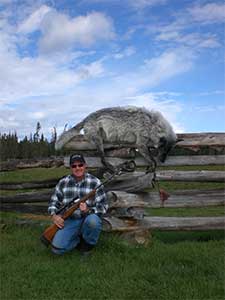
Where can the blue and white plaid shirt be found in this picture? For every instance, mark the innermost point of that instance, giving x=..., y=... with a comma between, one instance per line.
x=68, y=188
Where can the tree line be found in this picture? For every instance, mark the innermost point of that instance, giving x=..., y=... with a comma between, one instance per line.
x=37, y=146
x=34, y=146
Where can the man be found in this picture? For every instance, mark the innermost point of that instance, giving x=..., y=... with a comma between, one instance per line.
x=83, y=228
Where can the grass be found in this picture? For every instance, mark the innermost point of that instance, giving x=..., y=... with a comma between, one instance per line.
x=176, y=185
x=176, y=265
x=49, y=173
x=54, y=173
x=25, y=175
x=194, y=168
x=209, y=211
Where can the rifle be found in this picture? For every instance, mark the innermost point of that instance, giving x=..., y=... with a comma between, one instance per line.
x=49, y=233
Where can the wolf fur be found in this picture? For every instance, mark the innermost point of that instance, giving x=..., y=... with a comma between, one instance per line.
x=148, y=130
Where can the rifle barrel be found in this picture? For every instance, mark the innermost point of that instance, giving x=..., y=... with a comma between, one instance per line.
x=49, y=233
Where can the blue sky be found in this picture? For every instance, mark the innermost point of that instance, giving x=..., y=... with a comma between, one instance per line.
x=61, y=60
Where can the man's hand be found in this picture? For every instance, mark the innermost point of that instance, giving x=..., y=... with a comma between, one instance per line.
x=58, y=221
x=83, y=207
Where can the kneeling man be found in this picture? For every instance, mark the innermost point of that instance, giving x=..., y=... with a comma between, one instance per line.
x=83, y=228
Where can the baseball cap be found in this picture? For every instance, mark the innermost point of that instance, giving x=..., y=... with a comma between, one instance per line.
x=76, y=157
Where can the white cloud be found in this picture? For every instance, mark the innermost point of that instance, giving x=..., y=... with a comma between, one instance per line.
x=70, y=107
x=38, y=77
x=166, y=35
x=33, y=77
x=55, y=89
x=170, y=63
x=28, y=76
x=37, y=115
x=189, y=39
x=5, y=1
x=8, y=122
x=208, y=13
x=162, y=102
x=187, y=27
x=128, y=51
x=210, y=93
x=134, y=4
x=46, y=78
x=94, y=69
x=141, y=4
x=33, y=22
x=210, y=42
x=60, y=32
x=153, y=72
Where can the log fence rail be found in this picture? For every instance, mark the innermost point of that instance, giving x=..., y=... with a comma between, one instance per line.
x=122, y=199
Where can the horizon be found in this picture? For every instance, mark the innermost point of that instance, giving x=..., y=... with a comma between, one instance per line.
x=62, y=60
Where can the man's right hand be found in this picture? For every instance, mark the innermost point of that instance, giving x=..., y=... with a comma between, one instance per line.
x=58, y=221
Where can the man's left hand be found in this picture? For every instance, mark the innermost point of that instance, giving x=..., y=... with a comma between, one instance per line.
x=83, y=207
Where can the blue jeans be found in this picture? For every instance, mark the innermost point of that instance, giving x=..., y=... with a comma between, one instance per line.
x=68, y=237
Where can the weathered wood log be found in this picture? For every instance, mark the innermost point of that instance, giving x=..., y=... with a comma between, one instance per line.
x=190, y=140
x=24, y=208
x=30, y=197
x=80, y=143
x=40, y=208
x=113, y=224
x=119, y=199
x=131, y=182
x=122, y=153
x=181, y=160
x=48, y=183
x=181, y=198
x=196, y=176
x=95, y=162
x=127, y=212
x=141, y=177
x=192, y=160
x=140, y=180
x=14, y=164
x=28, y=222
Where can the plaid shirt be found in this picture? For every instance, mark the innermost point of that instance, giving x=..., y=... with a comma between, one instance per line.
x=68, y=188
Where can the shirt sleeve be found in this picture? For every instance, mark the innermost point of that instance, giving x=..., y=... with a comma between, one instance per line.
x=56, y=199
x=101, y=205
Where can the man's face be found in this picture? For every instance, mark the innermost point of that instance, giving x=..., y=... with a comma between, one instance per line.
x=78, y=169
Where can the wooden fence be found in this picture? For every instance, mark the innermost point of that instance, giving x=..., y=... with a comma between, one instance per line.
x=126, y=194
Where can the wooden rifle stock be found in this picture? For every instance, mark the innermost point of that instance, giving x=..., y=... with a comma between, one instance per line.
x=50, y=232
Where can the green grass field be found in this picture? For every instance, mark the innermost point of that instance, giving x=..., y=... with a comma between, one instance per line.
x=175, y=265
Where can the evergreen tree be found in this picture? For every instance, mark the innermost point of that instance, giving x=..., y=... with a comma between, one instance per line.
x=36, y=135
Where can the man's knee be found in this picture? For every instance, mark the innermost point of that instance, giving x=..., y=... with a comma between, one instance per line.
x=93, y=221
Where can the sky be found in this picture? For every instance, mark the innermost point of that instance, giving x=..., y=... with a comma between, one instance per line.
x=61, y=60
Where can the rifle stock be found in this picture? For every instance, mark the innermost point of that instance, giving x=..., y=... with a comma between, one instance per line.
x=49, y=233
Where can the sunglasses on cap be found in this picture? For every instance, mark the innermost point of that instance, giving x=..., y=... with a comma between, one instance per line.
x=77, y=166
